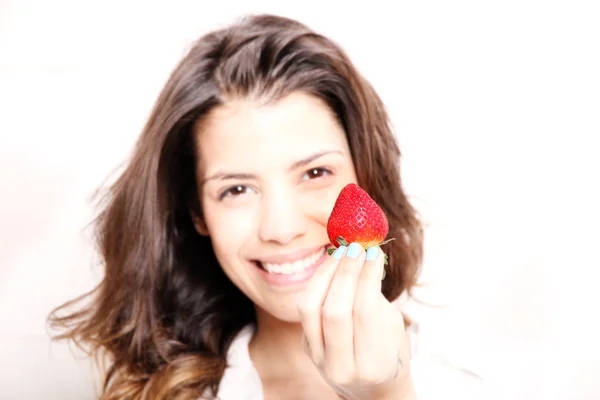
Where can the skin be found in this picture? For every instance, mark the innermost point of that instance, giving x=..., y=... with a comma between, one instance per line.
x=269, y=176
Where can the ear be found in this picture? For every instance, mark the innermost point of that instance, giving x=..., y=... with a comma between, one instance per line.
x=199, y=224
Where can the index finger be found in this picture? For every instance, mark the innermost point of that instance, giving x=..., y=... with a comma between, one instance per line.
x=311, y=302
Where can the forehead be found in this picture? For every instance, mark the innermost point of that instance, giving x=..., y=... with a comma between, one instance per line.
x=244, y=131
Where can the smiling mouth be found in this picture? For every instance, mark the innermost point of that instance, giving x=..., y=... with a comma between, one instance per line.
x=292, y=267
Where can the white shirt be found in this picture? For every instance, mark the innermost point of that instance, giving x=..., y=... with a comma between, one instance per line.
x=433, y=378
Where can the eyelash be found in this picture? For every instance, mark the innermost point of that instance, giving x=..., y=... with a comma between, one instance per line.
x=230, y=191
x=320, y=169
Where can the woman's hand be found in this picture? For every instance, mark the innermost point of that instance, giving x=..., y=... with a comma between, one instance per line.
x=354, y=335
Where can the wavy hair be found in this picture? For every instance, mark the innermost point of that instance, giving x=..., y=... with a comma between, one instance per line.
x=164, y=314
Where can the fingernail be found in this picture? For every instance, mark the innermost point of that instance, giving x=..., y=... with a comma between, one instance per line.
x=339, y=252
x=354, y=250
x=372, y=253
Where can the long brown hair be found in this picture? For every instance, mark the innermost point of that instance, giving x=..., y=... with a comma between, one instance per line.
x=165, y=314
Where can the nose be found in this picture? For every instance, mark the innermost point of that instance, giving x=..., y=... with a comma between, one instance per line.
x=282, y=218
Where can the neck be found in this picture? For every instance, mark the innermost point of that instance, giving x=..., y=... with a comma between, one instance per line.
x=276, y=339
x=278, y=354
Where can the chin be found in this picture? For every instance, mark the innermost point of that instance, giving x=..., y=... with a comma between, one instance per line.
x=286, y=313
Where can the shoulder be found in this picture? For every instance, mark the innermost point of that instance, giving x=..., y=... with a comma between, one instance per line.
x=240, y=380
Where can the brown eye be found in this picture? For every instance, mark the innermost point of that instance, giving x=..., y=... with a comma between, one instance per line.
x=238, y=190
x=234, y=191
x=315, y=173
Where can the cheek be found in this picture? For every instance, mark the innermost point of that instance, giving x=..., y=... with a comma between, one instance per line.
x=318, y=206
x=229, y=229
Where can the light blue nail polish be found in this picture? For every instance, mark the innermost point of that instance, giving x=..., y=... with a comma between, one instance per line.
x=353, y=250
x=372, y=253
x=339, y=252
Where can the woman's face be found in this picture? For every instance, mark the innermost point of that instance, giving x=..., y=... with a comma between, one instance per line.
x=269, y=176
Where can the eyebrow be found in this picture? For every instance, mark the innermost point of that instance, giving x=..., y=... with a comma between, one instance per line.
x=221, y=175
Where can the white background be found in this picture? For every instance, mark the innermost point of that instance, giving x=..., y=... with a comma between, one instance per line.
x=497, y=109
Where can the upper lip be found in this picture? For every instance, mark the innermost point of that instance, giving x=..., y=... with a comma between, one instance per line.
x=290, y=257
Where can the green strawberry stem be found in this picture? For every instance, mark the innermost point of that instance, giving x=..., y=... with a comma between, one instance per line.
x=342, y=241
x=385, y=260
x=386, y=241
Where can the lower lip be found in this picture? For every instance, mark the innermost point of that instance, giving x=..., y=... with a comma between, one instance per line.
x=291, y=279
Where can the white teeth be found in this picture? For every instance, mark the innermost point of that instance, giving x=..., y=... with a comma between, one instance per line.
x=294, y=267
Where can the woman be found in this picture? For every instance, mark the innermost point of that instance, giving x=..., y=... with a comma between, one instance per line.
x=217, y=282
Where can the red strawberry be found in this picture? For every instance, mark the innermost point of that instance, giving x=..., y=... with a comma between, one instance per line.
x=357, y=218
